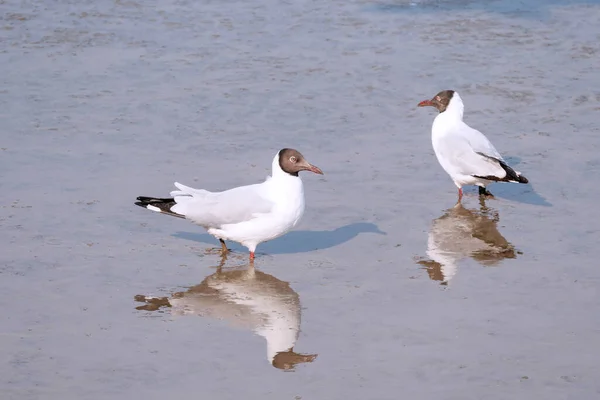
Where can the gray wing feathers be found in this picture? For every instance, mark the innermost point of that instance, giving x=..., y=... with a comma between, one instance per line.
x=459, y=157
x=214, y=209
x=479, y=143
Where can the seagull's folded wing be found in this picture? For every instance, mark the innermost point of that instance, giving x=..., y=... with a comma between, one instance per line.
x=210, y=209
x=478, y=141
x=458, y=156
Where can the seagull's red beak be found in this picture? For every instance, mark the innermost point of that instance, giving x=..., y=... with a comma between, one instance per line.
x=425, y=103
x=314, y=169
x=304, y=165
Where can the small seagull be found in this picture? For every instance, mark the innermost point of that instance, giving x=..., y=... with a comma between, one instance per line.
x=465, y=153
x=249, y=214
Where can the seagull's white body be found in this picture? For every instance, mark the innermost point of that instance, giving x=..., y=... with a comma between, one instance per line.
x=465, y=153
x=247, y=214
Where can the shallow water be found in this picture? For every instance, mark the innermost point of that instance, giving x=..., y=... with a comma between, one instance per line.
x=104, y=101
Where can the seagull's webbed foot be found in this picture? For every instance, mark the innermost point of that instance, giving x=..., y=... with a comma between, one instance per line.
x=484, y=192
x=223, y=250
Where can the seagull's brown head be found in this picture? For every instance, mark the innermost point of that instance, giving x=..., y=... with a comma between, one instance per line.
x=439, y=101
x=292, y=162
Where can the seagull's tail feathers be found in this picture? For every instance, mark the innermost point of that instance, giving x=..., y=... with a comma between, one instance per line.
x=188, y=191
x=187, y=200
x=510, y=174
x=162, y=206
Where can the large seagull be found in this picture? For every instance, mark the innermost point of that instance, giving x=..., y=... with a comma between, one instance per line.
x=249, y=214
x=465, y=153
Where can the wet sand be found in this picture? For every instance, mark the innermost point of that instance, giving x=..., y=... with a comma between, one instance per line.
x=397, y=293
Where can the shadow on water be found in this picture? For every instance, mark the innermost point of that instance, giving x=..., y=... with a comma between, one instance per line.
x=297, y=241
x=247, y=299
x=522, y=193
x=519, y=193
x=517, y=8
x=513, y=161
x=465, y=233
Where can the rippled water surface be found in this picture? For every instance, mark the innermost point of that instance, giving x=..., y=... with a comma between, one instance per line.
x=386, y=289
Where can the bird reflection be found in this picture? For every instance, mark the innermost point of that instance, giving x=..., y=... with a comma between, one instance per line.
x=247, y=299
x=461, y=233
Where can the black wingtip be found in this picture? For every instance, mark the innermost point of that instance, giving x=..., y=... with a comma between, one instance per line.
x=147, y=200
x=158, y=204
x=511, y=174
x=143, y=201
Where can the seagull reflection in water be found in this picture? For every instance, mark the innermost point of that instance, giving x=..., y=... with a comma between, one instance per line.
x=247, y=299
x=462, y=233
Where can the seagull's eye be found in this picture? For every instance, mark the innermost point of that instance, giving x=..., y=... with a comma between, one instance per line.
x=293, y=159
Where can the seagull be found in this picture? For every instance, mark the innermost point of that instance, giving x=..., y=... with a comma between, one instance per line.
x=465, y=153
x=249, y=214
